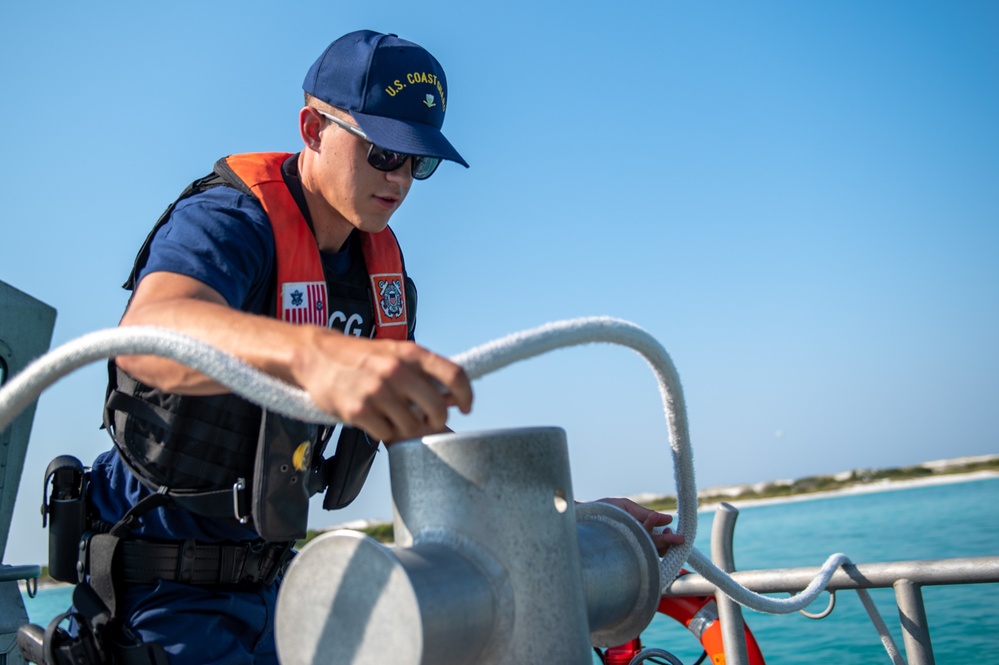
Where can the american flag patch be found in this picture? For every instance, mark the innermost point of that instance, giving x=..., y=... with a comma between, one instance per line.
x=304, y=302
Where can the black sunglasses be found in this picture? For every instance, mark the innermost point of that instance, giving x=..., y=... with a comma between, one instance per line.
x=389, y=160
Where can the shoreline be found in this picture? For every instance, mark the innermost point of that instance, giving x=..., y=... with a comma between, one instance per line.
x=864, y=488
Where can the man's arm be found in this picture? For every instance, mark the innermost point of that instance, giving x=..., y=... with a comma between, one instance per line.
x=393, y=390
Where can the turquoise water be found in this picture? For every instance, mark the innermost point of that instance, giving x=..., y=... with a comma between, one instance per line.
x=935, y=522
x=47, y=604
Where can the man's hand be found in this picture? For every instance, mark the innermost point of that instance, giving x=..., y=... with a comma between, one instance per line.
x=392, y=390
x=650, y=519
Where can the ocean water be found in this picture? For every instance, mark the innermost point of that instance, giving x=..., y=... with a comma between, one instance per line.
x=930, y=522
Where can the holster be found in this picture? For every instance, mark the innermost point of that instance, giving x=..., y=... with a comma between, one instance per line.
x=64, y=511
x=280, y=497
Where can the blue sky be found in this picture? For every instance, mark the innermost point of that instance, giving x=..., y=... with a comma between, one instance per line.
x=800, y=201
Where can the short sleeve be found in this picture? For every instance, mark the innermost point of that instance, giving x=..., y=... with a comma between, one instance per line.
x=220, y=237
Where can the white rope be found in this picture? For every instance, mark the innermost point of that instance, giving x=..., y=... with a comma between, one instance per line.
x=798, y=602
x=879, y=625
x=761, y=603
x=261, y=388
x=288, y=400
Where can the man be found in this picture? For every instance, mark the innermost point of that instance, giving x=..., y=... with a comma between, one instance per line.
x=287, y=262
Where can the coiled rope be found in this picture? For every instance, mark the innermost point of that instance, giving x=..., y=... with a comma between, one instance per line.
x=293, y=402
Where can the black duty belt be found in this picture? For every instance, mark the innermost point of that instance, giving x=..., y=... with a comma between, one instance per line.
x=192, y=562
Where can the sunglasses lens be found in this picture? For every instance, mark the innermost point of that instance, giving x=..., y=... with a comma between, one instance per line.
x=424, y=167
x=389, y=160
x=385, y=160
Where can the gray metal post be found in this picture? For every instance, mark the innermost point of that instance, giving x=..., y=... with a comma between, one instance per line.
x=492, y=565
x=510, y=493
x=729, y=612
x=621, y=573
x=915, y=629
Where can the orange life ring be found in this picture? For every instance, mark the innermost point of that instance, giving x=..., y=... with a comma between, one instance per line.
x=699, y=615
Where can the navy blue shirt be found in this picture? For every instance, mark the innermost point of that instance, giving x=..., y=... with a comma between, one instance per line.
x=220, y=237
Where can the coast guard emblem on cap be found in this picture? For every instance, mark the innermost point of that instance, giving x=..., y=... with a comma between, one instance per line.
x=391, y=310
x=429, y=101
x=303, y=302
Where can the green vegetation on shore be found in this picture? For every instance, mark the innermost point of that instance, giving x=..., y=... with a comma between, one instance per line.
x=831, y=483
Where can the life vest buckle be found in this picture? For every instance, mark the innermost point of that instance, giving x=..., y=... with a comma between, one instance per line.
x=240, y=501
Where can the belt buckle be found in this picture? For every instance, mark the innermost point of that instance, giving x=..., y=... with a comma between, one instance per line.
x=238, y=488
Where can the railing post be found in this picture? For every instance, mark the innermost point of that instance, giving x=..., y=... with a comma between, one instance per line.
x=915, y=630
x=729, y=611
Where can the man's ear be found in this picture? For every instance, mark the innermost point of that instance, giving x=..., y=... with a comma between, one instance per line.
x=310, y=123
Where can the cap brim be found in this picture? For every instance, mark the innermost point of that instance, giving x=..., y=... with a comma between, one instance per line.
x=413, y=138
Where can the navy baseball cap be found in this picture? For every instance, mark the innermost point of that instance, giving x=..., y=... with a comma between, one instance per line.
x=394, y=89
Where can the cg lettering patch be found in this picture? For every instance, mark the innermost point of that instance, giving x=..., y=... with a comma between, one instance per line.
x=391, y=298
x=304, y=302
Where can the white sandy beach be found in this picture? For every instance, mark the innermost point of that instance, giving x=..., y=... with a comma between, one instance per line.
x=866, y=488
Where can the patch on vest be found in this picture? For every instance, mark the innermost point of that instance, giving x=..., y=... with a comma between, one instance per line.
x=302, y=457
x=391, y=310
x=304, y=302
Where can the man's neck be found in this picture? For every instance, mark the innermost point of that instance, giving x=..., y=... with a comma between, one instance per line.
x=331, y=228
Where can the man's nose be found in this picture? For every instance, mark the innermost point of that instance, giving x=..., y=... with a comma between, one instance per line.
x=403, y=174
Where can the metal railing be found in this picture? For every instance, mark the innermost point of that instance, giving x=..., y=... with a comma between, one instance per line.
x=907, y=578
x=17, y=573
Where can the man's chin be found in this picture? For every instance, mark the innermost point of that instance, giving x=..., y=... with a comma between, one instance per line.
x=373, y=224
